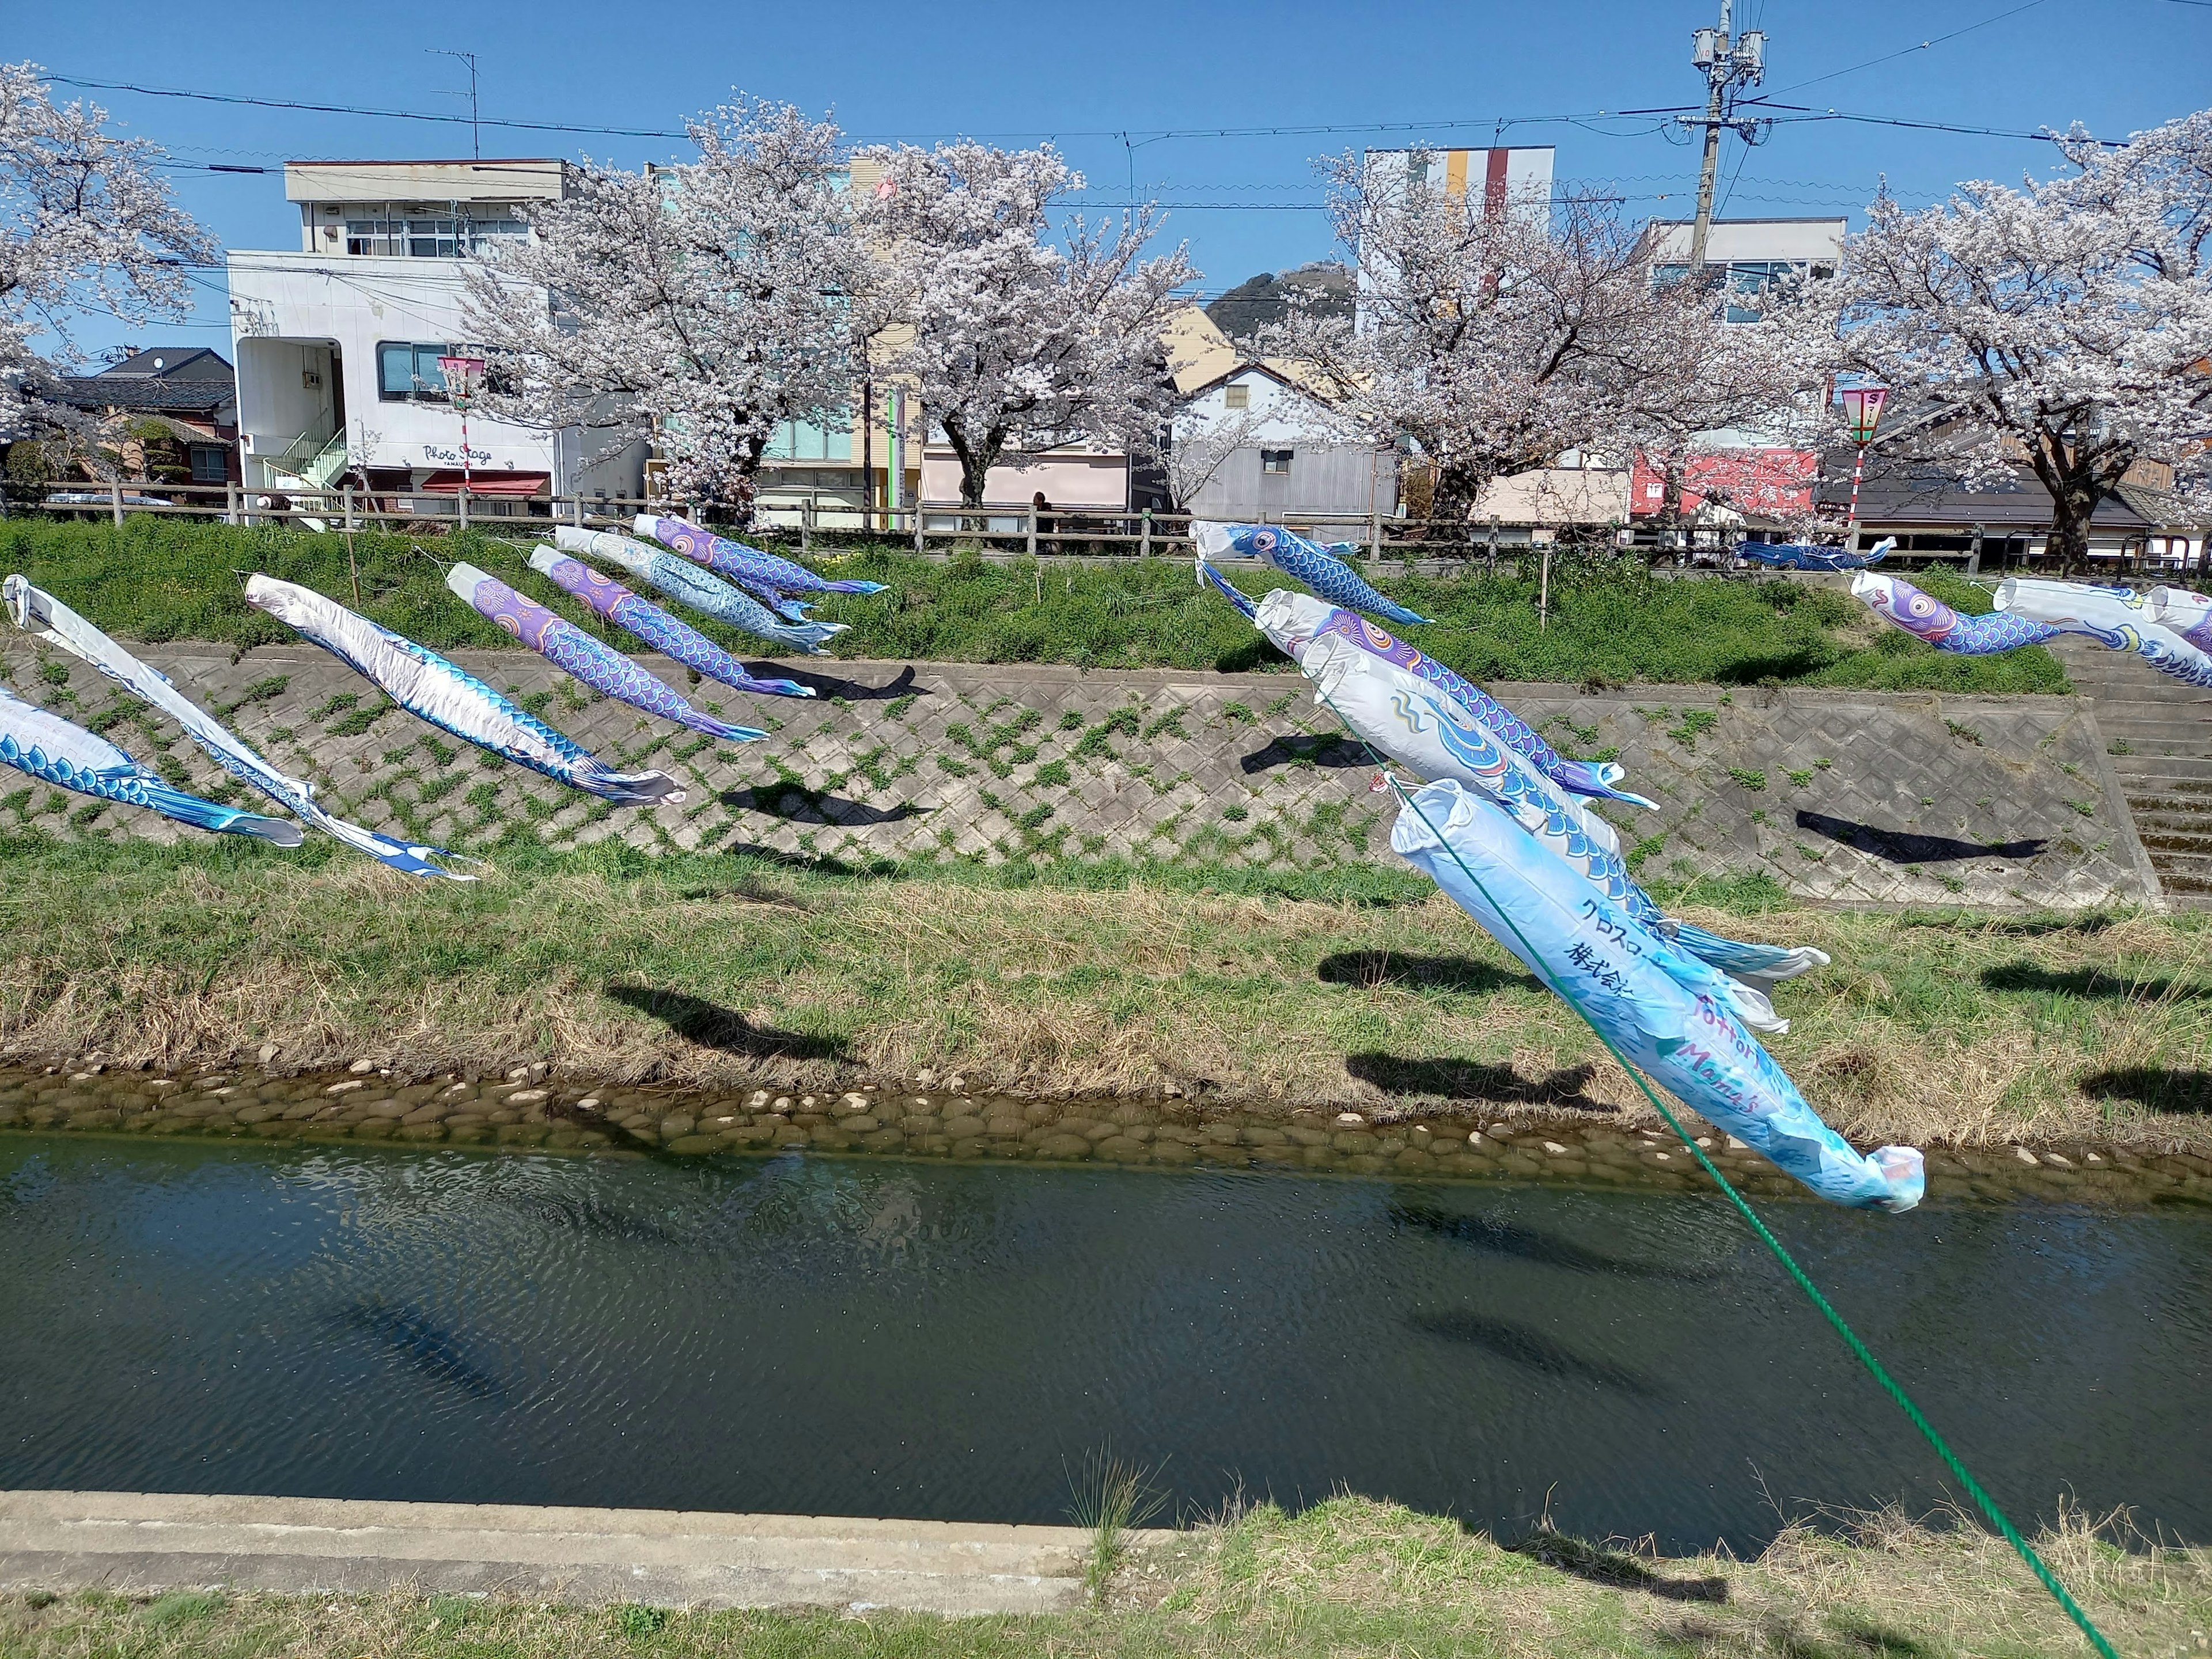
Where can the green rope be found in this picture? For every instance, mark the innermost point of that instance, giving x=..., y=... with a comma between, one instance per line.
x=1852, y=1339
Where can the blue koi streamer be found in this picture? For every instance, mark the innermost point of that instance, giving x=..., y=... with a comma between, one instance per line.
x=771, y=577
x=450, y=698
x=1807, y=555
x=32, y=608
x=1657, y=1006
x=686, y=582
x=53, y=750
x=1294, y=555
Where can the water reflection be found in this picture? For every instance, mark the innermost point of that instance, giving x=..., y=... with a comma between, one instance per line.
x=941, y=1339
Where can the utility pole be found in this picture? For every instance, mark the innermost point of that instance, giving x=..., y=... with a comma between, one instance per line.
x=1726, y=62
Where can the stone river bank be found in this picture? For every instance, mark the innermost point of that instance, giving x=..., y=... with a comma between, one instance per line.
x=529, y=1111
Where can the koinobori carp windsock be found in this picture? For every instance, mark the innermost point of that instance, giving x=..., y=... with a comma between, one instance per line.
x=54, y=752
x=1808, y=556
x=2181, y=612
x=32, y=608
x=609, y=599
x=1294, y=555
x=773, y=579
x=2119, y=617
x=1659, y=1007
x=568, y=648
x=1926, y=617
x=1291, y=619
x=687, y=583
x=450, y=698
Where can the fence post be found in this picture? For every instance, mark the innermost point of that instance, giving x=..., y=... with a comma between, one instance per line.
x=1374, y=535
x=807, y=526
x=1974, y=554
x=461, y=497
x=1148, y=533
x=916, y=510
x=115, y=494
x=576, y=508
x=230, y=503
x=1544, y=593
x=349, y=523
x=1032, y=535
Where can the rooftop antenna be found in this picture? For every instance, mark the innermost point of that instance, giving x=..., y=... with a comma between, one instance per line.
x=475, y=134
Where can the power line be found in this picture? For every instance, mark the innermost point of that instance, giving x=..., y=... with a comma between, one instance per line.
x=1907, y=51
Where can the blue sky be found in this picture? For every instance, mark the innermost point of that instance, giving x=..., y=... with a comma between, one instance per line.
x=1106, y=85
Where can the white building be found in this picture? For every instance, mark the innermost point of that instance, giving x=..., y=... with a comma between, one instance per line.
x=337, y=340
x=1254, y=445
x=1753, y=253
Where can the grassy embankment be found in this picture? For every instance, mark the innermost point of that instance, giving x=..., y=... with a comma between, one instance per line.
x=1349, y=1576
x=157, y=579
x=1308, y=989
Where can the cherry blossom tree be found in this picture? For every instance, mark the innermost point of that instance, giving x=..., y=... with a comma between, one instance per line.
x=2065, y=325
x=1498, y=336
x=86, y=226
x=702, y=304
x=1015, y=342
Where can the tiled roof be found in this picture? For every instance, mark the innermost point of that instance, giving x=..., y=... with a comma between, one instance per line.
x=102, y=392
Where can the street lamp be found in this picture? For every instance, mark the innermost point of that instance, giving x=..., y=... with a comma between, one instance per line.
x=463, y=376
x=1862, y=414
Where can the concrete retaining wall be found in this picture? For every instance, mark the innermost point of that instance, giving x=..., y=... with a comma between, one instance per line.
x=1838, y=796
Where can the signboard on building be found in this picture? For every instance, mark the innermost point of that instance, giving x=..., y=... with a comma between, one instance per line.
x=1759, y=484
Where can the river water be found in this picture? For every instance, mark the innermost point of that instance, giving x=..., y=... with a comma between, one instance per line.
x=937, y=1339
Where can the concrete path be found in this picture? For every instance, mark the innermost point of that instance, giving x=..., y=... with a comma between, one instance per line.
x=150, y=1541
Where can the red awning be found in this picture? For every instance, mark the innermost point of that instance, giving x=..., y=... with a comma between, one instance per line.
x=486, y=483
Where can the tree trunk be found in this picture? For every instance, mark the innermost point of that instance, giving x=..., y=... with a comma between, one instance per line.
x=1451, y=505
x=2068, y=539
x=977, y=460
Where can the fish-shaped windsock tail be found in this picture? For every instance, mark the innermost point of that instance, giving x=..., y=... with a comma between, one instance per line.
x=2187, y=614
x=2117, y=616
x=768, y=574
x=32, y=608
x=1769, y=963
x=682, y=580
x=1208, y=576
x=1926, y=617
x=54, y=750
x=567, y=647
x=1294, y=555
x=1637, y=993
x=1291, y=619
x=668, y=635
x=447, y=696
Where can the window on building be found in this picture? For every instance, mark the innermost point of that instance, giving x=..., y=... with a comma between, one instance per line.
x=408, y=369
x=1237, y=397
x=429, y=233
x=1276, y=461
x=828, y=437
x=209, y=463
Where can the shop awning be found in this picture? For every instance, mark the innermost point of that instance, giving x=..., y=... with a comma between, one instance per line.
x=486, y=483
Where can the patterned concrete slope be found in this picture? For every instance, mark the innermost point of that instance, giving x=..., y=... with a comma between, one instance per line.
x=1846, y=796
x=2158, y=733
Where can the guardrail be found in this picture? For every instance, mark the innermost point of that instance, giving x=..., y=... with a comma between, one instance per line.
x=932, y=527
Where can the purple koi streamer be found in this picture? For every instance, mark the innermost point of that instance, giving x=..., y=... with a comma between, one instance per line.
x=663, y=632
x=568, y=647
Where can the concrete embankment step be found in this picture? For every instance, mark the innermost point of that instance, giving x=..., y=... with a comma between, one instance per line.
x=152, y=1541
x=2158, y=734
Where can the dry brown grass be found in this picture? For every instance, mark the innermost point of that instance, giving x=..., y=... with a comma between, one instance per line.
x=1349, y=1576
x=1936, y=1030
